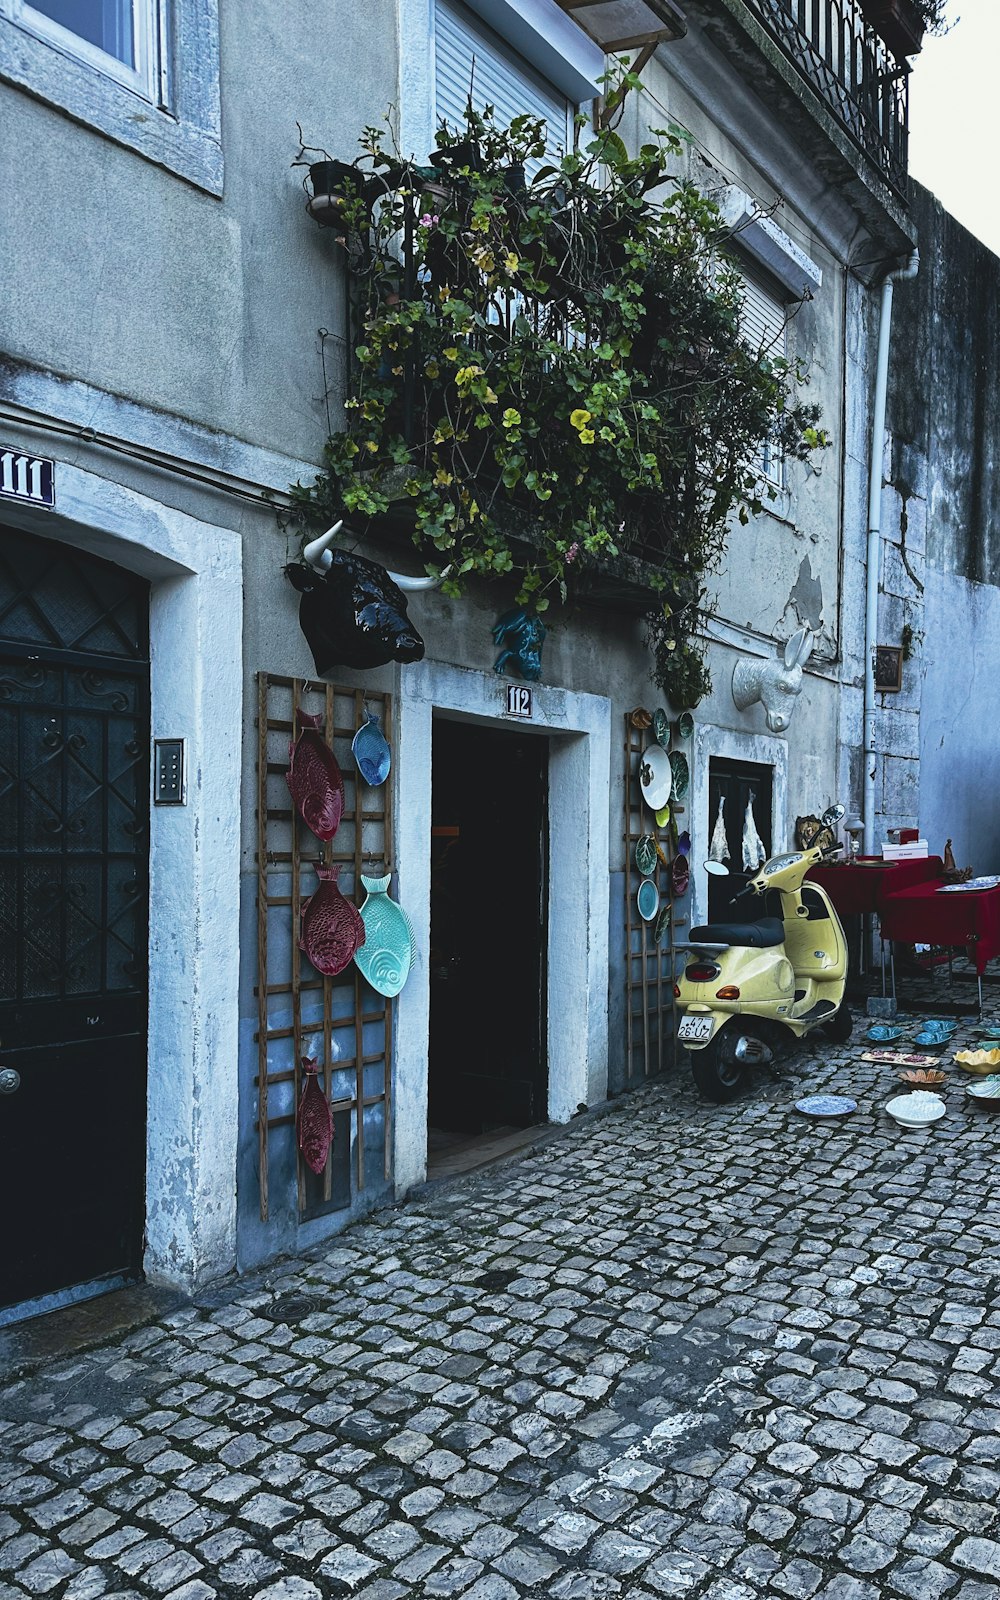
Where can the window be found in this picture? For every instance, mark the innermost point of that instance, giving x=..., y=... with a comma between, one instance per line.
x=470, y=59
x=764, y=323
x=95, y=58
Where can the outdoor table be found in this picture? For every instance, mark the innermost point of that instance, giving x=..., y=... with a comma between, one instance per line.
x=854, y=890
x=916, y=913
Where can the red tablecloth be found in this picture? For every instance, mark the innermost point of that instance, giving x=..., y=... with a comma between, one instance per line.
x=917, y=914
x=854, y=891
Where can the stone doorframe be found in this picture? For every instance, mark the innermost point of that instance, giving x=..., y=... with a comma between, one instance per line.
x=712, y=741
x=578, y=727
x=196, y=687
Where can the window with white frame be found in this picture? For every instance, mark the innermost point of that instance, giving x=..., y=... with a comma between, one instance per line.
x=471, y=61
x=94, y=58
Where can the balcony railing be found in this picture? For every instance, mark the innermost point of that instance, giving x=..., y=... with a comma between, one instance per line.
x=837, y=52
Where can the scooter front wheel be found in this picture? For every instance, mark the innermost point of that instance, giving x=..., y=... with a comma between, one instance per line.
x=717, y=1073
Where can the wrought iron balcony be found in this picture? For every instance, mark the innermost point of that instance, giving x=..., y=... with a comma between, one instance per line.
x=841, y=57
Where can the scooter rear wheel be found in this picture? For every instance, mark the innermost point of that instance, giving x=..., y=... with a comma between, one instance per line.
x=717, y=1074
x=841, y=1026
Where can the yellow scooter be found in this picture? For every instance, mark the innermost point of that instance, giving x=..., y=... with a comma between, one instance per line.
x=752, y=987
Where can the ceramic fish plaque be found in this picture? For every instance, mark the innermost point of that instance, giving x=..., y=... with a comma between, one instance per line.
x=385, y=957
x=332, y=930
x=314, y=1120
x=314, y=779
x=371, y=751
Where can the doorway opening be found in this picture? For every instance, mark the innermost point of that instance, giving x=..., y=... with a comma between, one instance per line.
x=74, y=912
x=738, y=785
x=487, y=1065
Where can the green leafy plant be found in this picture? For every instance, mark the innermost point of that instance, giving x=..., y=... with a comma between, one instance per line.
x=550, y=373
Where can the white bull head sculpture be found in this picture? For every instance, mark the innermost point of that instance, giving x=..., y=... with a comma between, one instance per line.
x=775, y=683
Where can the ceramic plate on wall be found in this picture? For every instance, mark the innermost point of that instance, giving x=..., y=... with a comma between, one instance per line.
x=661, y=727
x=681, y=774
x=663, y=816
x=646, y=855
x=662, y=921
x=648, y=900
x=655, y=777
x=685, y=725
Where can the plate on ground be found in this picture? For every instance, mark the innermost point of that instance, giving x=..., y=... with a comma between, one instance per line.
x=827, y=1107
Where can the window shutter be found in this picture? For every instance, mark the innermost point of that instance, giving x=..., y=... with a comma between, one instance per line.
x=468, y=55
x=763, y=317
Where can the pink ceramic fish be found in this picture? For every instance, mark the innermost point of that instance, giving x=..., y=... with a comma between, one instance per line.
x=332, y=929
x=314, y=779
x=315, y=1120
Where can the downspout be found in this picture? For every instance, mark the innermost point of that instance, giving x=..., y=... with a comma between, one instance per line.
x=875, y=539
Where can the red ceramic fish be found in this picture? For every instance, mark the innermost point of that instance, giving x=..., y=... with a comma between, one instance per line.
x=315, y=1120
x=314, y=779
x=332, y=929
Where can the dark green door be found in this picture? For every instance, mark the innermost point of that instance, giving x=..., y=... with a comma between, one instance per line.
x=74, y=848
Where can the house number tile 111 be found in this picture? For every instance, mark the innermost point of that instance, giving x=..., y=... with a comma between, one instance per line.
x=28, y=478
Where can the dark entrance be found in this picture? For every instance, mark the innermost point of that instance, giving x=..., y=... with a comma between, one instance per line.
x=74, y=846
x=488, y=896
x=737, y=783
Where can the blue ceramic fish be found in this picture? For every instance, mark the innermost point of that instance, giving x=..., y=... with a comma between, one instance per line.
x=371, y=751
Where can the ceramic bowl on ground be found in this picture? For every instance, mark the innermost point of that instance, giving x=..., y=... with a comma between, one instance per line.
x=930, y=1041
x=985, y=1092
x=826, y=1107
x=922, y=1079
x=883, y=1033
x=917, y=1110
x=979, y=1062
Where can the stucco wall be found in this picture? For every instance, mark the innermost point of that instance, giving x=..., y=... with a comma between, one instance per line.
x=942, y=516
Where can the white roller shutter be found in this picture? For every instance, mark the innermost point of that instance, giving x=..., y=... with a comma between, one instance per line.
x=471, y=58
x=763, y=323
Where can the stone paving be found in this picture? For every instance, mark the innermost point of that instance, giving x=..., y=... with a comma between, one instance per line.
x=681, y=1351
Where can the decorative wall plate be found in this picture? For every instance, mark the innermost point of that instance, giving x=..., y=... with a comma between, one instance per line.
x=663, y=816
x=371, y=751
x=662, y=921
x=640, y=717
x=646, y=855
x=648, y=899
x=655, y=776
x=685, y=725
x=387, y=953
x=684, y=843
x=332, y=930
x=826, y=1107
x=314, y=779
x=681, y=773
x=661, y=727
x=314, y=1120
x=680, y=876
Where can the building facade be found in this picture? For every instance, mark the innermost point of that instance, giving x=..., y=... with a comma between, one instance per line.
x=175, y=339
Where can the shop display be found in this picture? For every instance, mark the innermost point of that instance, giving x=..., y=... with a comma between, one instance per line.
x=331, y=929
x=371, y=751
x=352, y=611
x=314, y=779
x=646, y=855
x=314, y=1120
x=386, y=954
x=655, y=776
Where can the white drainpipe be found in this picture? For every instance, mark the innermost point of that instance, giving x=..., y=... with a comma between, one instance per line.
x=875, y=540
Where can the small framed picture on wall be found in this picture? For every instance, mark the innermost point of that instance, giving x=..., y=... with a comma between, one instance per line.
x=888, y=668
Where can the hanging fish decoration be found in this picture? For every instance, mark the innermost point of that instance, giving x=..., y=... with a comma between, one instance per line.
x=371, y=751
x=331, y=929
x=314, y=779
x=718, y=850
x=385, y=957
x=314, y=1120
x=754, y=854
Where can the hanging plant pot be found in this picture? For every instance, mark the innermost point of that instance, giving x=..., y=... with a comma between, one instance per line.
x=897, y=22
x=334, y=185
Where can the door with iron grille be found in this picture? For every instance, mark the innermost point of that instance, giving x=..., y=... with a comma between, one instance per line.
x=74, y=847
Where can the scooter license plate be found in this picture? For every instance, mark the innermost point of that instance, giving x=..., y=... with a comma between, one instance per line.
x=695, y=1030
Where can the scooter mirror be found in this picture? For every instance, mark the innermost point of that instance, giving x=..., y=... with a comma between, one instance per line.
x=833, y=814
x=718, y=869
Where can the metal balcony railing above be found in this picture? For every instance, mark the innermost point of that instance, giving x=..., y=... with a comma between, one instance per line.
x=837, y=52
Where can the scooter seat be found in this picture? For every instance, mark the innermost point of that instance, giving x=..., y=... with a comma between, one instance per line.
x=754, y=935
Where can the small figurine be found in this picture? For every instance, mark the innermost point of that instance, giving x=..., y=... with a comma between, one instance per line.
x=527, y=631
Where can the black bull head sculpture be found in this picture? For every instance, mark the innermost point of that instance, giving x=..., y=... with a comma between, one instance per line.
x=352, y=611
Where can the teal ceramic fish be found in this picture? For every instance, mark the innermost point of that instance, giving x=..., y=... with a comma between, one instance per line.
x=384, y=958
x=371, y=751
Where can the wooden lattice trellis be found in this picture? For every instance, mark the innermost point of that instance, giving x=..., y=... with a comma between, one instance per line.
x=341, y=1021
x=650, y=1006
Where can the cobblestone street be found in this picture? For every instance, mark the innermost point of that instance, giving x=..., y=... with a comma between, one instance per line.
x=679, y=1351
